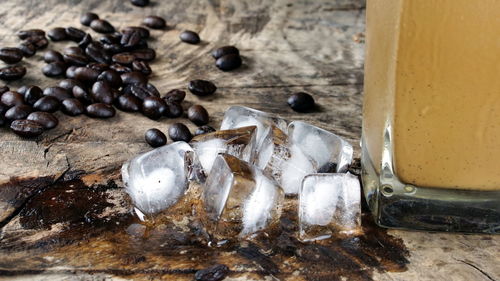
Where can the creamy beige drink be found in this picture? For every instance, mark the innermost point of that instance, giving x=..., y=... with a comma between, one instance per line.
x=433, y=74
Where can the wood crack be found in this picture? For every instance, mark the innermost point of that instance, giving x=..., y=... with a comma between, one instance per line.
x=289, y=86
x=478, y=269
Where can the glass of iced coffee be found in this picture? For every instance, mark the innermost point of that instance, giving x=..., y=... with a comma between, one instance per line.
x=431, y=114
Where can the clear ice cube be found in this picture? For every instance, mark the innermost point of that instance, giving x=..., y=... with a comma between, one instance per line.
x=239, y=200
x=238, y=142
x=156, y=179
x=328, y=204
x=329, y=152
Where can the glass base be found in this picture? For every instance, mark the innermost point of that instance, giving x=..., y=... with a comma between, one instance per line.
x=395, y=204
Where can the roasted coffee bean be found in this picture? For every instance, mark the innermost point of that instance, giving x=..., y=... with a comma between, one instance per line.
x=203, y=130
x=154, y=22
x=201, y=87
x=18, y=112
x=73, y=50
x=11, y=55
x=11, y=73
x=113, y=48
x=121, y=69
x=70, y=72
x=100, y=67
x=54, y=69
x=12, y=98
x=214, y=273
x=102, y=26
x=24, y=34
x=179, y=132
x=112, y=77
x=226, y=50
x=174, y=109
x=113, y=38
x=72, y=107
x=152, y=90
x=22, y=90
x=75, y=34
x=128, y=103
x=301, y=102
x=140, y=3
x=155, y=138
x=102, y=92
x=57, y=92
x=32, y=95
x=28, y=49
x=198, y=115
x=100, y=110
x=82, y=93
x=96, y=52
x=47, y=104
x=153, y=107
x=123, y=58
x=144, y=32
x=53, y=56
x=86, y=40
x=142, y=67
x=57, y=34
x=131, y=39
x=228, y=62
x=144, y=54
x=190, y=37
x=134, y=77
x=87, y=18
x=47, y=120
x=40, y=42
x=76, y=59
x=175, y=95
x=68, y=84
x=141, y=91
x=86, y=74
x=26, y=128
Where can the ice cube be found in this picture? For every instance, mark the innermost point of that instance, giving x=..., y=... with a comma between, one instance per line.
x=238, y=142
x=328, y=204
x=329, y=152
x=156, y=179
x=239, y=200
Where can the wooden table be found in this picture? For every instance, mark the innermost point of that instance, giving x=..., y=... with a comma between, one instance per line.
x=65, y=216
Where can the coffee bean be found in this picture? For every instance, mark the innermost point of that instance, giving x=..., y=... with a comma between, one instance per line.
x=228, y=62
x=72, y=107
x=86, y=74
x=155, y=138
x=226, y=50
x=57, y=34
x=24, y=34
x=57, y=92
x=113, y=38
x=11, y=73
x=75, y=59
x=142, y=67
x=175, y=95
x=203, y=130
x=40, y=42
x=32, y=95
x=102, y=92
x=153, y=107
x=26, y=128
x=120, y=68
x=22, y=89
x=47, y=104
x=82, y=93
x=47, y=120
x=87, y=18
x=102, y=26
x=86, y=40
x=174, y=109
x=18, y=112
x=100, y=67
x=213, y=273
x=144, y=54
x=72, y=50
x=131, y=39
x=70, y=72
x=152, y=90
x=28, y=49
x=179, y=132
x=11, y=55
x=54, y=69
x=201, y=87
x=75, y=34
x=141, y=91
x=198, y=115
x=68, y=84
x=12, y=98
x=112, y=77
x=123, y=58
x=100, y=110
x=301, y=102
x=140, y=3
x=96, y=52
x=128, y=103
x=154, y=22
x=143, y=32
x=134, y=77
x=190, y=37
x=53, y=56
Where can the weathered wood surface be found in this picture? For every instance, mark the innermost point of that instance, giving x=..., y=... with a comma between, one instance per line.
x=288, y=46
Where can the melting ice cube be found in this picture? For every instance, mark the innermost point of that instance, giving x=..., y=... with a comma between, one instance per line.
x=237, y=142
x=329, y=203
x=156, y=179
x=239, y=199
x=329, y=152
